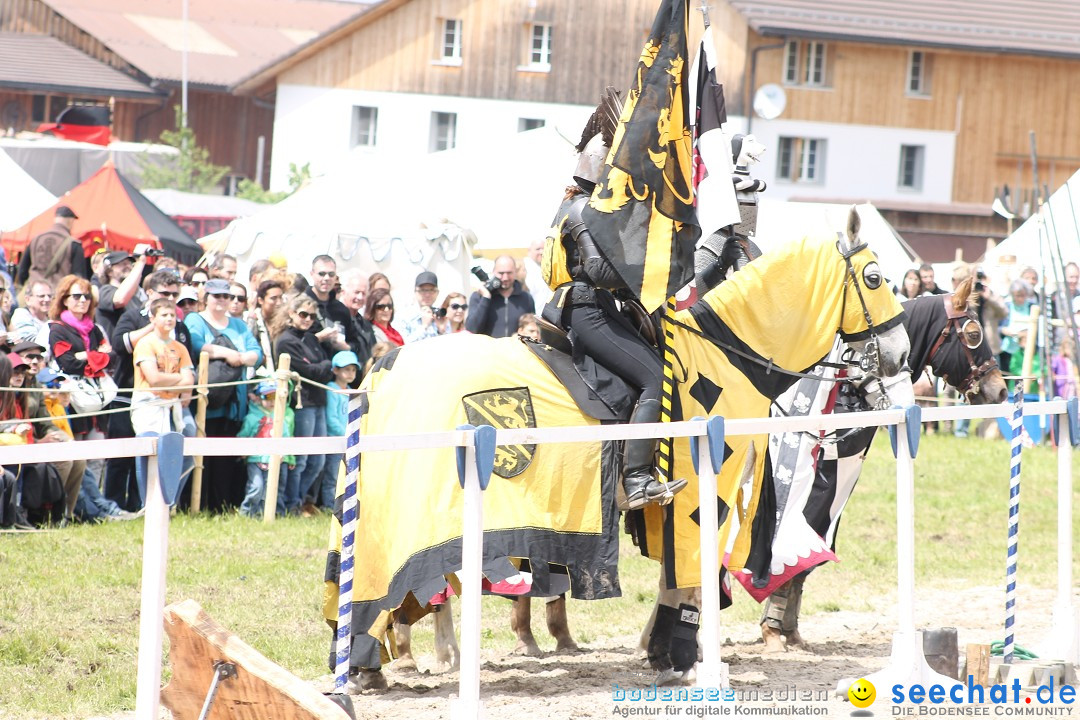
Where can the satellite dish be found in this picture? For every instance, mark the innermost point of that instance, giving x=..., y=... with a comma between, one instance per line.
x=769, y=101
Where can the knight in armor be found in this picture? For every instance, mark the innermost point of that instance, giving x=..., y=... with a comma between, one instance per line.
x=588, y=290
x=730, y=248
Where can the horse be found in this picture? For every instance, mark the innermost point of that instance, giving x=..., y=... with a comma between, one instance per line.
x=812, y=485
x=555, y=503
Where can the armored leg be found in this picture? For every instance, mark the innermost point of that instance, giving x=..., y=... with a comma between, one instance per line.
x=639, y=482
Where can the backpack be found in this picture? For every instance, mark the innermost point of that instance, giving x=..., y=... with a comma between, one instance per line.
x=42, y=488
x=219, y=371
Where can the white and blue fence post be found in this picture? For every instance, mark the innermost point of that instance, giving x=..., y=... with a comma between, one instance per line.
x=475, y=463
x=1014, y=524
x=346, y=567
x=708, y=457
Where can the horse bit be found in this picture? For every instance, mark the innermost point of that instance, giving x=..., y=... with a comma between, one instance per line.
x=869, y=361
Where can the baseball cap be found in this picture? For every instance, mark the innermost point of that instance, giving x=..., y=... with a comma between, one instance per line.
x=266, y=387
x=48, y=375
x=427, y=278
x=16, y=360
x=116, y=257
x=217, y=286
x=345, y=358
x=65, y=211
x=187, y=293
x=28, y=345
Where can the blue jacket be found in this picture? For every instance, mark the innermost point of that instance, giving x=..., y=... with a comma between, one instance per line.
x=337, y=411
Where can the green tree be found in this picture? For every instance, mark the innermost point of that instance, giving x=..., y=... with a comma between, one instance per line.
x=190, y=171
x=248, y=189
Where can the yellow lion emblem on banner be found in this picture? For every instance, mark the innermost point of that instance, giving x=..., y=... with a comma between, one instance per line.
x=506, y=408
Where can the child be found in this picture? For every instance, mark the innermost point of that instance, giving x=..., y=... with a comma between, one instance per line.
x=527, y=327
x=160, y=362
x=259, y=422
x=1064, y=370
x=345, y=366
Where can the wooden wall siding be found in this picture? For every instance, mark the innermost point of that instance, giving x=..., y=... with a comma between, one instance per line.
x=593, y=44
x=35, y=17
x=990, y=101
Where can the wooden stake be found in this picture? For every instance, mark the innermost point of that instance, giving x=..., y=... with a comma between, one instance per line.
x=200, y=429
x=978, y=665
x=281, y=400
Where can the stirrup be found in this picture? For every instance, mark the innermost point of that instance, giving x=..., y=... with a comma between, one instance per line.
x=655, y=492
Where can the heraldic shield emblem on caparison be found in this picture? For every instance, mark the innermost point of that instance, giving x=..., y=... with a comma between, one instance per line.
x=508, y=408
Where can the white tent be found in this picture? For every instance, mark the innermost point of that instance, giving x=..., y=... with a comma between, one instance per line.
x=1038, y=239
x=23, y=197
x=377, y=215
x=780, y=221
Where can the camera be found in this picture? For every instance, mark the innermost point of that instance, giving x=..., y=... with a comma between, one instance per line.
x=438, y=311
x=492, y=284
x=979, y=287
x=154, y=252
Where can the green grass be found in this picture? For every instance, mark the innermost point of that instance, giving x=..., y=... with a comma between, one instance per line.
x=69, y=601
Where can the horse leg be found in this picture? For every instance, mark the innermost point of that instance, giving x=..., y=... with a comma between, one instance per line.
x=558, y=625
x=681, y=627
x=521, y=625
x=772, y=618
x=447, y=654
x=403, y=642
x=791, y=615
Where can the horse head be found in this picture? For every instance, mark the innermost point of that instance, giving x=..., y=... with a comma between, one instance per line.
x=946, y=335
x=871, y=317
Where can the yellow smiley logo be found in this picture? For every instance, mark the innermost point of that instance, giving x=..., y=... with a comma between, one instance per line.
x=862, y=693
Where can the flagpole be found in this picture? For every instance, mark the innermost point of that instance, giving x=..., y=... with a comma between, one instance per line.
x=704, y=10
x=184, y=66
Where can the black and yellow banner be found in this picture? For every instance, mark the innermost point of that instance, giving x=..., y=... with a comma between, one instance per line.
x=641, y=213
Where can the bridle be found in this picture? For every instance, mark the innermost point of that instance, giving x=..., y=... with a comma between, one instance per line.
x=869, y=360
x=956, y=321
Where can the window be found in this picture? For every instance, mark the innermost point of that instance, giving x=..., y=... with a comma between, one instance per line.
x=364, y=122
x=443, y=131
x=801, y=160
x=451, y=40
x=540, y=45
x=805, y=63
x=814, y=70
x=911, y=166
x=525, y=124
x=791, y=62
x=918, y=77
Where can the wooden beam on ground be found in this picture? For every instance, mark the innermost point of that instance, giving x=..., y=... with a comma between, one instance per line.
x=261, y=688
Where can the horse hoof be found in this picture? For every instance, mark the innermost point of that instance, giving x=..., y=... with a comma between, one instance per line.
x=404, y=665
x=567, y=647
x=795, y=642
x=527, y=650
x=774, y=643
x=669, y=677
x=367, y=680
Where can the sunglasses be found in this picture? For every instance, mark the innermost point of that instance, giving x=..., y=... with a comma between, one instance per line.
x=304, y=314
x=220, y=296
x=384, y=306
x=326, y=273
x=33, y=358
x=239, y=298
x=186, y=303
x=169, y=295
x=459, y=306
x=78, y=296
x=197, y=282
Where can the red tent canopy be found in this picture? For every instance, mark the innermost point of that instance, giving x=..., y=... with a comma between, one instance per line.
x=113, y=213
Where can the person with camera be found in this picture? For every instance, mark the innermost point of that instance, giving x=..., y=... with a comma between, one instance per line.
x=423, y=323
x=121, y=282
x=499, y=302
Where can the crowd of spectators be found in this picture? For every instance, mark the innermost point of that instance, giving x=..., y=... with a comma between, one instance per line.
x=1005, y=315
x=108, y=347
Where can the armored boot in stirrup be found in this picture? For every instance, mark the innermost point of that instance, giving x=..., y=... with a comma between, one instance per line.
x=640, y=484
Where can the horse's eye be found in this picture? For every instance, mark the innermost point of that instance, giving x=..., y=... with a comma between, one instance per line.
x=872, y=276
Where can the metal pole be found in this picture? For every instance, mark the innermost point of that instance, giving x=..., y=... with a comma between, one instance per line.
x=273, y=473
x=151, y=609
x=468, y=704
x=200, y=429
